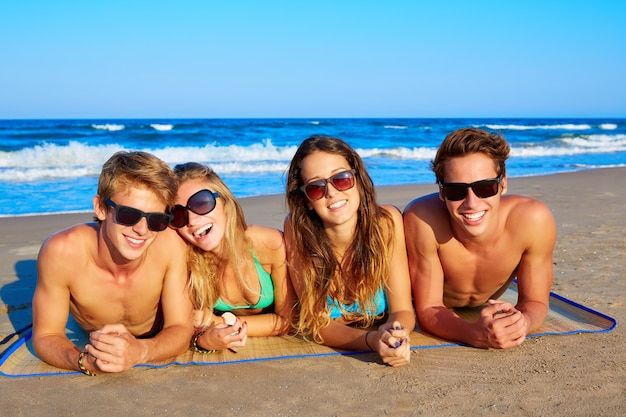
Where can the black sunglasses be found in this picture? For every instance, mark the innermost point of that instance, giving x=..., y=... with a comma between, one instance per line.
x=342, y=181
x=202, y=202
x=456, y=191
x=130, y=216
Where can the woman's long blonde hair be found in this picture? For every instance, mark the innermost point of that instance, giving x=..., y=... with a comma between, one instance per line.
x=364, y=267
x=205, y=266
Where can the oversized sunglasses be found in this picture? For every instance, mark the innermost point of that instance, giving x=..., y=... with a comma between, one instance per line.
x=342, y=181
x=456, y=191
x=130, y=216
x=202, y=202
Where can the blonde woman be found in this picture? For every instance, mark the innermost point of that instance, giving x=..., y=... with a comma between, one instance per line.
x=347, y=255
x=234, y=267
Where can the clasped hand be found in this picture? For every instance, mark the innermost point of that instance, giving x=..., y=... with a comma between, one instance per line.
x=114, y=348
x=221, y=336
x=391, y=341
x=501, y=326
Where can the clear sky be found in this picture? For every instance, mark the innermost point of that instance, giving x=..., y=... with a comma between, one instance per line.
x=340, y=58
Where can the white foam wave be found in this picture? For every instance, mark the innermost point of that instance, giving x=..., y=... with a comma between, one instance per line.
x=51, y=155
x=576, y=145
x=110, y=127
x=544, y=127
x=32, y=174
x=398, y=153
x=211, y=153
x=161, y=127
x=395, y=127
x=79, y=160
x=608, y=126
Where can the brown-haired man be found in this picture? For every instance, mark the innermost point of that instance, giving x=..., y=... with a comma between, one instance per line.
x=123, y=279
x=469, y=241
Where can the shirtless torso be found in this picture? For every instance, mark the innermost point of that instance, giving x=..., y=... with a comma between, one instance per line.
x=450, y=268
x=121, y=284
x=100, y=296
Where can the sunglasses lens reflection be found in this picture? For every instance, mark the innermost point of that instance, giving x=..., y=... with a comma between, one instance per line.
x=158, y=222
x=343, y=181
x=482, y=189
x=129, y=216
x=180, y=217
x=317, y=189
x=202, y=202
x=485, y=189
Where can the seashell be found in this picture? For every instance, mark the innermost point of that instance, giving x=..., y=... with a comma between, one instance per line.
x=229, y=318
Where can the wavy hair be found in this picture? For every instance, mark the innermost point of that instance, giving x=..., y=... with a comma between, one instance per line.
x=365, y=265
x=205, y=266
x=467, y=141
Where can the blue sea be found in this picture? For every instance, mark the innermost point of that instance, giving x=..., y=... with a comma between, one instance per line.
x=52, y=166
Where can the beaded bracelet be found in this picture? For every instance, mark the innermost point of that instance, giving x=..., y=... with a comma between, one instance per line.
x=196, y=348
x=81, y=366
x=366, y=342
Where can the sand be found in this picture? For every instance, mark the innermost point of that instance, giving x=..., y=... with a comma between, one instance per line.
x=574, y=375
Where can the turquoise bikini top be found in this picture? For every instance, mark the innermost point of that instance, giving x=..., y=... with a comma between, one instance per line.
x=379, y=301
x=267, y=291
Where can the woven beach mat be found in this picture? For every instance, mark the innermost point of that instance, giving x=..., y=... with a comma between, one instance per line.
x=564, y=317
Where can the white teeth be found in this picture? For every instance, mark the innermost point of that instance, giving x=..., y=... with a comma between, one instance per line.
x=337, y=204
x=203, y=231
x=135, y=241
x=474, y=216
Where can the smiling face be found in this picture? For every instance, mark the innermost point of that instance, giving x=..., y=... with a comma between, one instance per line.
x=128, y=243
x=335, y=208
x=204, y=231
x=472, y=217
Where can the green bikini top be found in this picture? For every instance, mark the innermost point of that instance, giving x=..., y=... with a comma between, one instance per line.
x=267, y=291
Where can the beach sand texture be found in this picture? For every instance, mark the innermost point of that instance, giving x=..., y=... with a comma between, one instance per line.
x=575, y=375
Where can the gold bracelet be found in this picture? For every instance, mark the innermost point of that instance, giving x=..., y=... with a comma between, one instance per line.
x=81, y=366
x=196, y=348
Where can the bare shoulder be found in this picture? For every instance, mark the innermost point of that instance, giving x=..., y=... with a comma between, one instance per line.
x=425, y=205
x=77, y=243
x=427, y=212
x=69, y=242
x=267, y=242
x=527, y=210
x=394, y=211
x=531, y=220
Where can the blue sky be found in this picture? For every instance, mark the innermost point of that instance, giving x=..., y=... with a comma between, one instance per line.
x=161, y=59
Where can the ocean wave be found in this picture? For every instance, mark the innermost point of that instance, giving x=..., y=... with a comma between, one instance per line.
x=395, y=127
x=52, y=155
x=79, y=160
x=398, y=153
x=608, y=126
x=109, y=126
x=161, y=127
x=575, y=145
x=568, y=126
x=41, y=173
